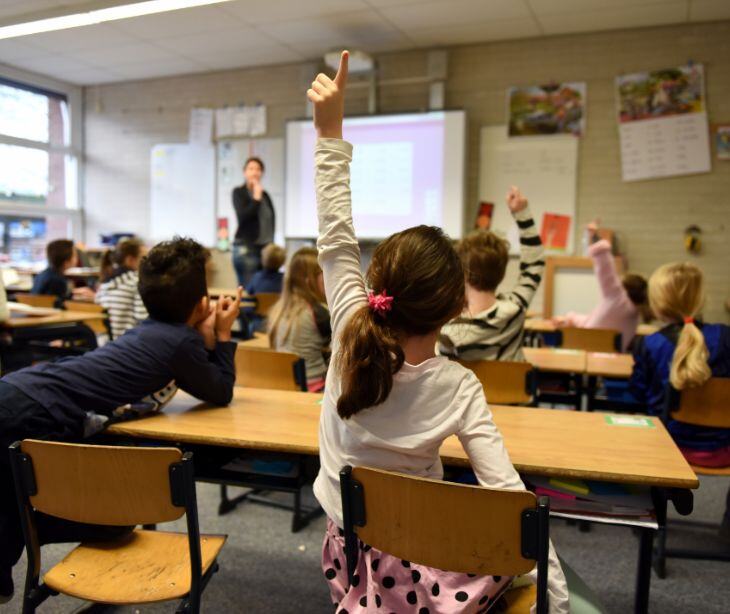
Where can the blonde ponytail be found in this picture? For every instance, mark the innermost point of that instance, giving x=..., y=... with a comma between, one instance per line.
x=676, y=294
x=689, y=363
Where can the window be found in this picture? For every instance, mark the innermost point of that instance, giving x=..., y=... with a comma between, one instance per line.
x=39, y=170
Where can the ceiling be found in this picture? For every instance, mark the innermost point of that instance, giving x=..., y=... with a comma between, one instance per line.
x=243, y=33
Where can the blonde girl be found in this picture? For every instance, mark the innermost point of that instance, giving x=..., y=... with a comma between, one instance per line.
x=299, y=322
x=685, y=353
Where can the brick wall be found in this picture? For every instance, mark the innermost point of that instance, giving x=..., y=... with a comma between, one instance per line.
x=123, y=121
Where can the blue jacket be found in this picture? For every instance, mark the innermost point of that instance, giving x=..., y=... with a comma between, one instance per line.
x=652, y=362
x=265, y=281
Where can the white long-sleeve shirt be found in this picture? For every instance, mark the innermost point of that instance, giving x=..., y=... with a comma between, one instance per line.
x=429, y=401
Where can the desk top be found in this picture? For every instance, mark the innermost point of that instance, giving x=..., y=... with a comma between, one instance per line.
x=540, y=441
x=24, y=320
x=556, y=359
x=216, y=291
x=609, y=364
x=545, y=325
x=260, y=341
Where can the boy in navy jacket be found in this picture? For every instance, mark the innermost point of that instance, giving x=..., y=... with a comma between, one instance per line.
x=185, y=343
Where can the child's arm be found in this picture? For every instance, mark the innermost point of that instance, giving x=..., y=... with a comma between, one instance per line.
x=205, y=367
x=605, y=268
x=532, y=263
x=339, y=252
x=484, y=445
x=139, y=310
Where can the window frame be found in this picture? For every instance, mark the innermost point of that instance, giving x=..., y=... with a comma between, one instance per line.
x=44, y=85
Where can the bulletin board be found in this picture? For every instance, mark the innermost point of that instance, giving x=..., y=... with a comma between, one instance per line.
x=543, y=167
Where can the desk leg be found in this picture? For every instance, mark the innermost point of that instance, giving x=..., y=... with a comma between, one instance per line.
x=643, y=573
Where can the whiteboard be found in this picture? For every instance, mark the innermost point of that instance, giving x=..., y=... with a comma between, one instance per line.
x=543, y=167
x=575, y=290
x=231, y=156
x=182, y=198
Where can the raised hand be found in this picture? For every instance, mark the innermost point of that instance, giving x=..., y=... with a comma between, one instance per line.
x=226, y=312
x=328, y=97
x=257, y=190
x=515, y=200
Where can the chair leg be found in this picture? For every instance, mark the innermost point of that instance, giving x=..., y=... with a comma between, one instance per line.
x=660, y=554
x=296, y=522
x=226, y=505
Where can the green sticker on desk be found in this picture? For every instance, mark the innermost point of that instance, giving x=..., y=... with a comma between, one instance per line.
x=639, y=421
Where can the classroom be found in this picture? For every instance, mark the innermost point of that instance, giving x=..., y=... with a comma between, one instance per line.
x=360, y=306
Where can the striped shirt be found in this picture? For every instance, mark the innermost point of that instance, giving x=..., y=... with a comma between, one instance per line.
x=497, y=333
x=120, y=297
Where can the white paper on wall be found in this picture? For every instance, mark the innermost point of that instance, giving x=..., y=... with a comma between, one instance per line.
x=201, y=126
x=223, y=122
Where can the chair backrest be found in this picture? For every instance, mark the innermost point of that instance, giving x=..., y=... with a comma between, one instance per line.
x=264, y=302
x=706, y=405
x=100, y=327
x=262, y=368
x=488, y=531
x=36, y=300
x=591, y=339
x=505, y=382
x=107, y=485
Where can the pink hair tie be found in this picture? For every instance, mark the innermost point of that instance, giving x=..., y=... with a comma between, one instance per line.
x=380, y=303
x=689, y=320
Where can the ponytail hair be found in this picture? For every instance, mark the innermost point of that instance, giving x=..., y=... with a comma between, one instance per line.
x=420, y=269
x=112, y=258
x=676, y=294
x=372, y=355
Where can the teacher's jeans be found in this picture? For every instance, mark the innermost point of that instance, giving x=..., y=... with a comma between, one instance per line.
x=246, y=261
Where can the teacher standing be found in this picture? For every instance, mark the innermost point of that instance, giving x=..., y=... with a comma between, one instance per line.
x=256, y=221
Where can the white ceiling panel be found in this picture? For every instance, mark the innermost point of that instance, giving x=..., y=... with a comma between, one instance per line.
x=255, y=56
x=88, y=37
x=17, y=48
x=178, y=23
x=240, y=37
x=268, y=11
x=477, y=32
x=616, y=18
x=709, y=10
x=552, y=7
x=147, y=70
x=53, y=65
x=90, y=76
x=124, y=54
x=439, y=14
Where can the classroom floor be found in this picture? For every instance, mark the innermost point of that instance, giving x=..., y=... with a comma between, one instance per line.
x=267, y=569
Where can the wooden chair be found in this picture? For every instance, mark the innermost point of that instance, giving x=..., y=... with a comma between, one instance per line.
x=117, y=486
x=590, y=339
x=707, y=405
x=505, y=382
x=264, y=302
x=36, y=300
x=100, y=327
x=501, y=532
x=262, y=368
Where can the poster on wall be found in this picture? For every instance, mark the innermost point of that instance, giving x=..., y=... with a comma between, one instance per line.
x=555, y=231
x=556, y=108
x=722, y=141
x=663, y=125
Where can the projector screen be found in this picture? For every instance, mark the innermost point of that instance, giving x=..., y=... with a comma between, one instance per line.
x=406, y=170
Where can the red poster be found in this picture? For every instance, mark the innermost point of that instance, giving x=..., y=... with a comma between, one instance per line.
x=554, y=232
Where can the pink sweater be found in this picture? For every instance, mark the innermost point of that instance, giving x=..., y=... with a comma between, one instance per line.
x=615, y=310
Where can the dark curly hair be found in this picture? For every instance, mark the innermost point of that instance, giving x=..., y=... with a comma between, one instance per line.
x=172, y=279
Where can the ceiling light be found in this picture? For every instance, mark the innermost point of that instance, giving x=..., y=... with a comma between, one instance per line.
x=89, y=18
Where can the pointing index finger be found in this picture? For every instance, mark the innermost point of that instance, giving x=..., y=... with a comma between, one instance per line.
x=341, y=76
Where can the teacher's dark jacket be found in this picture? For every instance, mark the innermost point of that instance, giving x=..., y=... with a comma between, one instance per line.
x=247, y=212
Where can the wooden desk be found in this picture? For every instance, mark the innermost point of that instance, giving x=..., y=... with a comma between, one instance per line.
x=609, y=364
x=260, y=341
x=215, y=291
x=24, y=320
x=540, y=325
x=540, y=441
x=556, y=359
x=82, y=272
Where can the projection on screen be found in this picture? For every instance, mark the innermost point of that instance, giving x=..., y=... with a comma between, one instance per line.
x=406, y=170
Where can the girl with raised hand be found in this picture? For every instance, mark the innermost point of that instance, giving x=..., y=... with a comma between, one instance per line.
x=389, y=401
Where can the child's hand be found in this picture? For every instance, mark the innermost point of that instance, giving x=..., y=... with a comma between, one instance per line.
x=328, y=97
x=206, y=327
x=515, y=200
x=226, y=312
x=559, y=321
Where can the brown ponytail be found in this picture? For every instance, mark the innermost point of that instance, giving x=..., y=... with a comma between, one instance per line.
x=676, y=294
x=420, y=269
x=112, y=258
